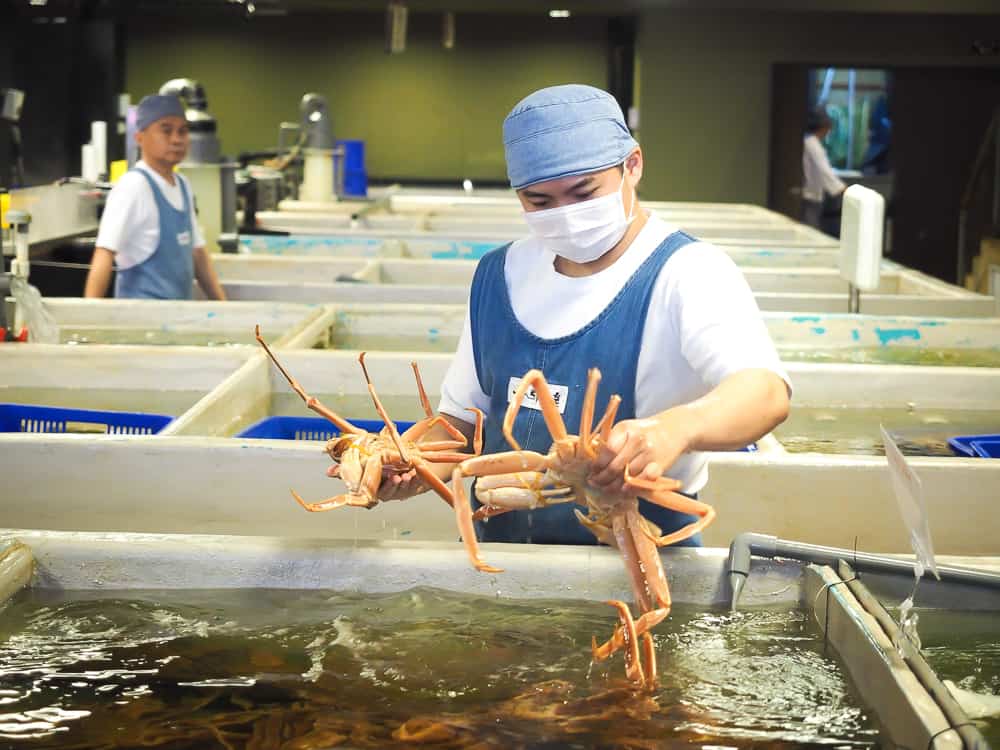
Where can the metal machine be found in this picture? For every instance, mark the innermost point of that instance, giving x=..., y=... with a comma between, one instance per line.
x=17, y=247
x=320, y=168
x=11, y=101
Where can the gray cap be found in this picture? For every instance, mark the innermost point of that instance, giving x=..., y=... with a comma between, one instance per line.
x=156, y=107
x=564, y=130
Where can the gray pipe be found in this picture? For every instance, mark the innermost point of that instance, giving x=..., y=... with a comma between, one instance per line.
x=748, y=544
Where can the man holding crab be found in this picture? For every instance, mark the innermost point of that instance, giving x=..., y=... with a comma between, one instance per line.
x=670, y=321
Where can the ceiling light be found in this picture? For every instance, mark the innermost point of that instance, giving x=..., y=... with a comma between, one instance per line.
x=38, y=3
x=448, y=31
x=395, y=26
x=559, y=14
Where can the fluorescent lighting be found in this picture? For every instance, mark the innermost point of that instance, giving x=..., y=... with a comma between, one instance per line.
x=559, y=14
x=39, y=3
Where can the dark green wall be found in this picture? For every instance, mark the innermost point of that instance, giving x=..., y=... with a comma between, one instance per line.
x=428, y=113
x=705, y=101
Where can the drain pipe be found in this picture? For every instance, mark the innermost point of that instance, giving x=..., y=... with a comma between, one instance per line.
x=746, y=545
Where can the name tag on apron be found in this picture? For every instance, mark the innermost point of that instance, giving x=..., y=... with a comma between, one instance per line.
x=559, y=394
x=184, y=238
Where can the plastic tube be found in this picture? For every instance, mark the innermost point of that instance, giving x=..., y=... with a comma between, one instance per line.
x=746, y=545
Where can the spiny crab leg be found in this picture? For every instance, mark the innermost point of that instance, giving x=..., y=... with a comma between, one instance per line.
x=312, y=403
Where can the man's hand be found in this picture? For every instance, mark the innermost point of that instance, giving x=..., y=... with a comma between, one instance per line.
x=395, y=485
x=649, y=447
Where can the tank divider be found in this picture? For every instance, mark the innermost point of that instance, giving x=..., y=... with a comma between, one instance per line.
x=957, y=717
x=909, y=713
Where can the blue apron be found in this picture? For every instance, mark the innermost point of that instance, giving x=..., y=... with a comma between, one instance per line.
x=503, y=348
x=169, y=272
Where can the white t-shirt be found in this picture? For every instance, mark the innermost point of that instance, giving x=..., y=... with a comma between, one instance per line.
x=702, y=325
x=817, y=170
x=130, y=224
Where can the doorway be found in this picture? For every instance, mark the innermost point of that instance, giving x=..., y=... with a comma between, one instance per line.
x=938, y=117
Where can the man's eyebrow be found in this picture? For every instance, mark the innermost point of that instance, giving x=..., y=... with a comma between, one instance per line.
x=534, y=194
x=584, y=182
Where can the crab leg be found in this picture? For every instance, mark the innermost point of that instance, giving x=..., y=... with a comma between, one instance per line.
x=339, y=501
x=550, y=412
x=463, y=516
x=603, y=427
x=587, y=412
x=630, y=642
x=312, y=403
x=649, y=585
x=678, y=502
x=645, y=623
x=424, y=401
x=389, y=424
x=419, y=429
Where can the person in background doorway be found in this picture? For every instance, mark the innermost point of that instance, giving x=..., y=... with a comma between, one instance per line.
x=149, y=229
x=820, y=179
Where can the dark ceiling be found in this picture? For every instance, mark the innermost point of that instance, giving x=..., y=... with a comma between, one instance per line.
x=264, y=8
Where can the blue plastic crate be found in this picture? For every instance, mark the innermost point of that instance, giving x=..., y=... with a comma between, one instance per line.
x=27, y=418
x=310, y=428
x=975, y=446
x=987, y=448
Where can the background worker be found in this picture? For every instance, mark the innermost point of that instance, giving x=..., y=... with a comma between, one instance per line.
x=600, y=282
x=820, y=179
x=149, y=228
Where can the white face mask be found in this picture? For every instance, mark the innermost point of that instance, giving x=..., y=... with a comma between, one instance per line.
x=583, y=232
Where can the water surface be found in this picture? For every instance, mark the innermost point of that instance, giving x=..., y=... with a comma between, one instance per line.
x=292, y=669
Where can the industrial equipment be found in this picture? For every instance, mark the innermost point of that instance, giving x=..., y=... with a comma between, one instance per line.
x=17, y=248
x=320, y=168
x=11, y=101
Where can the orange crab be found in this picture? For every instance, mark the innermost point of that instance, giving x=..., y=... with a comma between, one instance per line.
x=522, y=480
x=363, y=457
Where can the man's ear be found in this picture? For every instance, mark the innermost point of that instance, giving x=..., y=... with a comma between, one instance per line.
x=633, y=164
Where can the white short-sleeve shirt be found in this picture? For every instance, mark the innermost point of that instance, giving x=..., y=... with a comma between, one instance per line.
x=130, y=224
x=702, y=325
x=817, y=171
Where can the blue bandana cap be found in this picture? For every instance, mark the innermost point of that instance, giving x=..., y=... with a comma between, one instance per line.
x=564, y=130
x=156, y=107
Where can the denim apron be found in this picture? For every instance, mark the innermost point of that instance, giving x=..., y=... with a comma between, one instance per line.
x=169, y=272
x=505, y=349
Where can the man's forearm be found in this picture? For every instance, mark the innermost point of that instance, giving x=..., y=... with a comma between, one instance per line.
x=99, y=275
x=204, y=272
x=741, y=409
